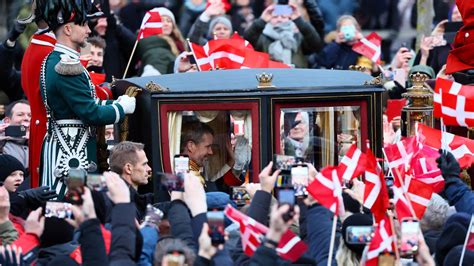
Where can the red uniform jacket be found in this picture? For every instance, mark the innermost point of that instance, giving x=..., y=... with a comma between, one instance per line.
x=40, y=46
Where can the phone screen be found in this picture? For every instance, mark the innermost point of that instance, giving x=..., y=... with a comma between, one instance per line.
x=410, y=230
x=181, y=164
x=359, y=234
x=299, y=179
x=61, y=210
x=215, y=220
x=282, y=10
x=240, y=196
x=283, y=162
x=96, y=182
x=173, y=182
x=286, y=196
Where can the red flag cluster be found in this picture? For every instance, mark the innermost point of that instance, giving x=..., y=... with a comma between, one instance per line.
x=233, y=53
x=454, y=103
x=290, y=247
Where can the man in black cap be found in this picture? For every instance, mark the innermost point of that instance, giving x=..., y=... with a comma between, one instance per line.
x=72, y=107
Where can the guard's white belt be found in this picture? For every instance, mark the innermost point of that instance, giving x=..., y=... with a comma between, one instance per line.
x=69, y=122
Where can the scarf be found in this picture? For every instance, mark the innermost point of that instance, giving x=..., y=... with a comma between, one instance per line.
x=285, y=43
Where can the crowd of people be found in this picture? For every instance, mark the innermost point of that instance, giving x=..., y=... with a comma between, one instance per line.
x=56, y=97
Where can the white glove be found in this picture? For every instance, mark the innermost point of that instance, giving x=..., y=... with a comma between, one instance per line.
x=128, y=103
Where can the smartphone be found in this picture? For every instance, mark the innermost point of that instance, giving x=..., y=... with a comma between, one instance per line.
x=173, y=182
x=410, y=230
x=240, y=196
x=153, y=215
x=75, y=182
x=386, y=259
x=287, y=196
x=282, y=10
x=16, y=131
x=450, y=30
x=299, y=179
x=359, y=234
x=283, y=162
x=96, y=182
x=181, y=164
x=191, y=59
x=215, y=220
x=61, y=210
x=174, y=258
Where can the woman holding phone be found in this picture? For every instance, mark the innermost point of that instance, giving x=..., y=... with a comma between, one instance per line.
x=285, y=35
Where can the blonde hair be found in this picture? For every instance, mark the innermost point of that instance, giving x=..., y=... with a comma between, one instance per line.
x=345, y=256
x=344, y=18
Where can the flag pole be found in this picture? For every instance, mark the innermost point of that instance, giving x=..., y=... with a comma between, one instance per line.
x=192, y=51
x=469, y=229
x=394, y=234
x=399, y=178
x=130, y=59
x=333, y=237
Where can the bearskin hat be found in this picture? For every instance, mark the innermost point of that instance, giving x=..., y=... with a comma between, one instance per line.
x=60, y=12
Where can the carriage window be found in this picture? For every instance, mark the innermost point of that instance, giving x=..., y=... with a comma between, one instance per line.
x=228, y=150
x=320, y=135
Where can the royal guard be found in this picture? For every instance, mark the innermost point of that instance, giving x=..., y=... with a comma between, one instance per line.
x=72, y=107
x=460, y=64
x=41, y=44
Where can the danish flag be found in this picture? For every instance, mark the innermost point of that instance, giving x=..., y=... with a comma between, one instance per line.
x=399, y=155
x=454, y=103
x=219, y=54
x=352, y=164
x=370, y=47
x=412, y=195
x=383, y=241
x=244, y=42
x=290, y=247
x=376, y=193
x=462, y=148
x=151, y=24
x=424, y=168
x=327, y=190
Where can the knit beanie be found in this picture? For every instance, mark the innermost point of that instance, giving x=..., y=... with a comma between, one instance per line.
x=8, y=165
x=357, y=219
x=166, y=12
x=220, y=19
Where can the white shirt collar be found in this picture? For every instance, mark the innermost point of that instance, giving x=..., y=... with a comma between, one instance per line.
x=66, y=50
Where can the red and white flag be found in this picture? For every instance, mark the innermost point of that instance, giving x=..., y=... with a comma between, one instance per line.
x=411, y=198
x=454, y=103
x=383, y=241
x=419, y=195
x=327, y=190
x=202, y=59
x=290, y=247
x=151, y=24
x=370, y=47
x=244, y=42
x=424, y=168
x=462, y=148
x=376, y=193
x=399, y=155
x=352, y=164
x=254, y=59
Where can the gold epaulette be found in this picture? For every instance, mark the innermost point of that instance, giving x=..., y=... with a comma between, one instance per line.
x=68, y=66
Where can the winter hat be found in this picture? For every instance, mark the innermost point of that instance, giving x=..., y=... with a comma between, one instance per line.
x=166, y=12
x=454, y=256
x=8, y=165
x=357, y=219
x=454, y=233
x=220, y=19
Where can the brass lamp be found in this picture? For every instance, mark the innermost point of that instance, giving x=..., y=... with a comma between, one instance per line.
x=419, y=106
